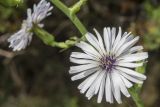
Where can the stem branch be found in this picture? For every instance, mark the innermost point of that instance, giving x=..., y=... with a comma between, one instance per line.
x=67, y=11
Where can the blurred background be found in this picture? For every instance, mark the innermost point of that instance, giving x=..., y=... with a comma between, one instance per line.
x=38, y=76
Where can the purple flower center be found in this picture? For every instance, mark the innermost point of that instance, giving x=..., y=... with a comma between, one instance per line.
x=107, y=63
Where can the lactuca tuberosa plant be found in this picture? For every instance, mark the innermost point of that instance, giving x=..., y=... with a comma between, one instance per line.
x=108, y=64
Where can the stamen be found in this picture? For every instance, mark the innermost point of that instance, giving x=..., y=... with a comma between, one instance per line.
x=107, y=63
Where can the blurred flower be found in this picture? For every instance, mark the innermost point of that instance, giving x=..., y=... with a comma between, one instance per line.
x=107, y=64
x=41, y=11
x=23, y=37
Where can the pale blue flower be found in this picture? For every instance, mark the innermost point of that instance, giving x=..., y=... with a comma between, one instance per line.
x=21, y=39
x=108, y=64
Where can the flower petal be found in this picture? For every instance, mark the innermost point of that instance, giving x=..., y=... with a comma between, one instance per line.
x=101, y=44
x=127, y=83
x=122, y=85
x=81, y=55
x=130, y=51
x=121, y=42
x=84, y=74
x=88, y=49
x=127, y=45
x=83, y=61
x=89, y=82
x=135, y=49
x=99, y=82
x=132, y=79
x=113, y=33
x=80, y=68
x=92, y=88
x=94, y=42
x=116, y=89
x=128, y=64
x=133, y=57
x=108, y=89
x=107, y=38
x=132, y=73
x=117, y=39
x=101, y=90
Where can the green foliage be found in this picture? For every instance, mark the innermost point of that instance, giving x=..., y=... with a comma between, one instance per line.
x=152, y=36
x=5, y=14
x=135, y=90
x=71, y=102
x=10, y=3
x=9, y=16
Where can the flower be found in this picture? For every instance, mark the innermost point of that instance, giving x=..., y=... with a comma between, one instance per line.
x=41, y=11
x=107, y=64
x=23, y=37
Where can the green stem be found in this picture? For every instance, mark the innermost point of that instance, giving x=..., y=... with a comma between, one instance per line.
x=46, y=37
x=70, y=15
x=134, y=91
x=49, y=39
x=77, y=6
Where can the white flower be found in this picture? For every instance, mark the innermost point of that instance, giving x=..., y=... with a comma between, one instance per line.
x=41, y=11
x=23, y=37
x=108, y=64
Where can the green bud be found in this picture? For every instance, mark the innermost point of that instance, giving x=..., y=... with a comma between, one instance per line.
x=10, y=3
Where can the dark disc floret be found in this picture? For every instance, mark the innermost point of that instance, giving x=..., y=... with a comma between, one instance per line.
x=107, y=63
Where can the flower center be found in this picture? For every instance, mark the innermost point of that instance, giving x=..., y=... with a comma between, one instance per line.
x=107, y=63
